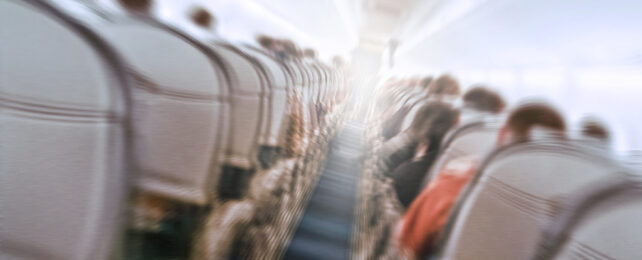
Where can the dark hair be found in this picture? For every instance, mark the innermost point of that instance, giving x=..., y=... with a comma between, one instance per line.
x=136, y=5
x=444, y=85
x=309, y=53
x=595, y=129
x=438, y=117
x=265, y=41
x=202, y=17
x=524, y=118
x=484, y=99
x=291, y=50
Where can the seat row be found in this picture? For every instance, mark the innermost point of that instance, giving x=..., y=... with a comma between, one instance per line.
x=99, y=108
x=546, y=198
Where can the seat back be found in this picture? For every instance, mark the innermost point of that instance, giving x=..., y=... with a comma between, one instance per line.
x=64, y=136
x=515, y=192
x=266, y=91
x=602, y=223
x=304, y=75
x=415, y=104
x=181, y=109
x=248, y=106
x=478, y=138
x=279, y=84
x=310, y=92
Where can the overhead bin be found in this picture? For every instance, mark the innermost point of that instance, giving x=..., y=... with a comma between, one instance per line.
x=64, y=136
x=181, y=108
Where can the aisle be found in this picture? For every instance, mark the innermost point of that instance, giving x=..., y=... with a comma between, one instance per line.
x=325, y=229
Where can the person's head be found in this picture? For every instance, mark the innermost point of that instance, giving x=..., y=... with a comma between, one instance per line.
x=527, y=117
x=433, y=121
x=136, y=6
x=593, y=128
x=203, y=18
x=310, y=53
x=266, y=42
x=444, y=85
x=483, y=99
x=290, y=49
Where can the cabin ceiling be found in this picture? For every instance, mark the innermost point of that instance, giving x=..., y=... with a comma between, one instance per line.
x=450, y=34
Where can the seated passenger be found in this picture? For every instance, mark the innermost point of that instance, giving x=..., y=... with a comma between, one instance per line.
x=268, y=44
x=202, y=17
x=137, y=7
x=408, y=176
x=595, y=133
x=480, y=101
x=309, y=53
x=425, y=132
x=205, y=24
x=445, y=87
x=420, y=228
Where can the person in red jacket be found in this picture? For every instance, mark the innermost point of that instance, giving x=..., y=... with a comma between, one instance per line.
x=420, y=228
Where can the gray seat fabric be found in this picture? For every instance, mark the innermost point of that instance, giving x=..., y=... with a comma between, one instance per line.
x=517, y=191
x=64, y=102
x=477, y=138
x=602, y=223
x=279, y=84
x=302, y=83
x=309, y=88
x=181, y=109
x=248, y=97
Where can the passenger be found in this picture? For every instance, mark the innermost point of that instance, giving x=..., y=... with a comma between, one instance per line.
x=444, y=87
x=420, y=228
x=408, y=176
x=480, y=101
x=137, y=7
x=392, y=125
x=309, y=53
x=205, y=24
x=595, y=133
x=266, y=42
x=289, y=51
x=425, y=130
x=203, y=18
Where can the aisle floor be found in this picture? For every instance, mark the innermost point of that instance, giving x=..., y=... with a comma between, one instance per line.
x=325, y=228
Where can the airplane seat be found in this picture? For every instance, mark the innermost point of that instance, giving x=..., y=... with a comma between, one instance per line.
x=181, y=109
x=296, y=141
x=414, y=105
x=306, y=101
x=64, y=136
x=308, y=91
x=601, y=223
x=473, y=138
x=519, y=187
x=279, y=85
x=248, y=98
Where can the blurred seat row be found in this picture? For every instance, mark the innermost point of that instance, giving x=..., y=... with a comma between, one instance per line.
x=100, y=112
x=542, y=198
